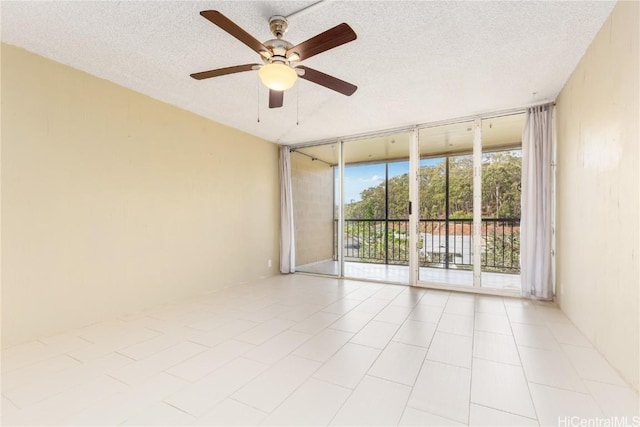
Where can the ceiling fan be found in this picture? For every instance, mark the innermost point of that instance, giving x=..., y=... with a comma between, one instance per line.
x=280, y=68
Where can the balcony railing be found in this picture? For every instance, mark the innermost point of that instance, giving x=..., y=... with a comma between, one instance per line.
x=443, y=244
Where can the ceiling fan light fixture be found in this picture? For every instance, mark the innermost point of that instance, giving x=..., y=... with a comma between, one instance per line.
x=277, y=76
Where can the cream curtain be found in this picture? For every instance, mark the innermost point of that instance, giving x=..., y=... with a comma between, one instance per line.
x=287, y=240
x=535, y=227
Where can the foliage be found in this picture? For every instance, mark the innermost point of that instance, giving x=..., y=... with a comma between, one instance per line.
x=502, y=252
x=501, y=185
x=367, y=242
x=500, y=199
x=500, y=191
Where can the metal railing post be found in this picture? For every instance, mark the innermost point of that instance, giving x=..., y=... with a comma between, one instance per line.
x=446, y=214
x=386, y=213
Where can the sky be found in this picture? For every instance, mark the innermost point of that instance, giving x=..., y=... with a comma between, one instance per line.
x=360, y=177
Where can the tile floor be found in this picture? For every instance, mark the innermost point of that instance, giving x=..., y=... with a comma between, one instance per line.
x=304, y=350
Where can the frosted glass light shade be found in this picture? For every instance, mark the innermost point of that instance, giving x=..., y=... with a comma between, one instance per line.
x=277, y=76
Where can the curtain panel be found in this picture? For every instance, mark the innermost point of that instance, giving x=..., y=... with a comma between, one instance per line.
x=535, y=228
x=287, y=242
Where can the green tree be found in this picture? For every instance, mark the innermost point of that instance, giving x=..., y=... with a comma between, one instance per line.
x=501, y=184
x=500, y=190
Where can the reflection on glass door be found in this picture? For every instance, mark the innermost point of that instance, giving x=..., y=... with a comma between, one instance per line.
x=313, y=187
x=376, y=208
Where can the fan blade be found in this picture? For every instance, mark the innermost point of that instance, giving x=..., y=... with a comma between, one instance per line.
x=275, y=98
x=328, y=81
x=222, y=71
x=334, y=37
x=232, y=28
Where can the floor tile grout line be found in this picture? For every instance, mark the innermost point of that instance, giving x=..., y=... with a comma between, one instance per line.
x=310, y=377
x=582, y=380
x=564, y=351
x=230, y=397
x=561, y=388
x=321, y=361
x=133, y=359
x=524, y=373
x=179, y=409
x=625, y=386
x=12, y=402
x=431, y=413
x=351, y=394
x=364, y=376
x=411, y=344
x=330, y=382
x=471, y=367
x=75, y=358
x=30, y=365
x=454, y=334
x=495, y=361
x=503, y=411
x=425, y=358
x=191, y=383
x=392, y=381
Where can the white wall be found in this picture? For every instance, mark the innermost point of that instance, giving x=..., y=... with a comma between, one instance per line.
x=113, y=201
x=597, y=192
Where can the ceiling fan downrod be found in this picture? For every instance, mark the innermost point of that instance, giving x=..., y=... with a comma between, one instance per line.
x=278, y=25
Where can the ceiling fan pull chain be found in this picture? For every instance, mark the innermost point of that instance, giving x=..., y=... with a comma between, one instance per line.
x=258, y=86
x=298, y=104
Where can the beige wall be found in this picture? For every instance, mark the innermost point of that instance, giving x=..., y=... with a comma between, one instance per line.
x=312, y=187
x=597, y=192
x=113, y=201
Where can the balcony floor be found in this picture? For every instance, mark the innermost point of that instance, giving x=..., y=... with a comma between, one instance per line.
x=400, y=274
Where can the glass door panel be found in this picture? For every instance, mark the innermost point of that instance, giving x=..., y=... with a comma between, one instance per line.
x=376, y=208
x=313, y=181
x=501, y=177
x=364, y=212
x=446, y=205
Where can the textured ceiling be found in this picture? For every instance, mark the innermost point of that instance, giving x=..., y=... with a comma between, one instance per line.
x=454, y=138
x=413, y=62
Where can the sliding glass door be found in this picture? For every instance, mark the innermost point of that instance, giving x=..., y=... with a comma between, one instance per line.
x=353, y=218
x=469, y=192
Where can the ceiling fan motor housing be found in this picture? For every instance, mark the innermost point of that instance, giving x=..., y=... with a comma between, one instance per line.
x=279, y=48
